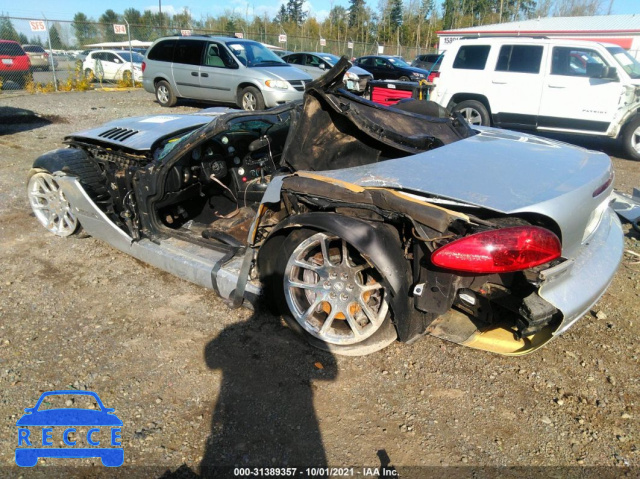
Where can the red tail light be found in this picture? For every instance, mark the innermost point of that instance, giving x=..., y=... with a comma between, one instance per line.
x=499, y=251
x=433, y=75
x=144, y=65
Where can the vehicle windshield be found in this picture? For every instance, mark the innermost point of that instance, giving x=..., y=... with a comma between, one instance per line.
x=137, y=58
x=330, y=59
x=172, y=143
x=626, y=61
x=254, y=54
x=398, y=62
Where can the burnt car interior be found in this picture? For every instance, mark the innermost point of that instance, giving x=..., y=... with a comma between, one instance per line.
x=214, y=188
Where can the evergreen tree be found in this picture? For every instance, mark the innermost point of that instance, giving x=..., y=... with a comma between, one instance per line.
x=108, y=19
x=7, y=31
x=395, y=14
x=84, y=31
x=356, y=12
x=23, y=39
x=56, y=41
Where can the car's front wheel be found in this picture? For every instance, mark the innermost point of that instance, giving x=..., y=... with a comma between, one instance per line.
x=403, y=78
x=631, y=138
x=333, y=294
x=49, y=204
x=474, y=112
x=164, y=94
x=251, y=99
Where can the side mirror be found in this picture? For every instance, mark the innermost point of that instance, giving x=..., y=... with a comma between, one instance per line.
x=322, y=66
x=597, y=70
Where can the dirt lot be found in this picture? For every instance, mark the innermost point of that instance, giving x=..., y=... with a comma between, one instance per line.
x=176, y=363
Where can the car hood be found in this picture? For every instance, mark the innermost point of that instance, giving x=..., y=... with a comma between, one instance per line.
x=359, y=71
x=416, y=70
x=143, y=132
x=284, y=72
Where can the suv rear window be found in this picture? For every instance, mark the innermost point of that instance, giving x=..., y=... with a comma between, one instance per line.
x=33, y=49
x=519, y=58
x=163, y=51
x=11, y=49
x=472, y=57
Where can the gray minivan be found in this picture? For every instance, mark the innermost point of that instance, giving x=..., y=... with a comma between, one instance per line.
x=222, y=69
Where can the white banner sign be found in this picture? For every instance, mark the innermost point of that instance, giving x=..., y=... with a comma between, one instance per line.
x=37, y=26
x=323, y=42
x=282, y=39
x=239, y=35
x=186, y=33
x=120, y=29
x=380, y=49
x=350, y=45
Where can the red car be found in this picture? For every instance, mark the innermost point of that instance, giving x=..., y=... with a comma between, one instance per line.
x=14, y=63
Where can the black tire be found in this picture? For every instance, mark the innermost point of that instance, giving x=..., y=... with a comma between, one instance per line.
x=165, y=95
x=251, y=99
x=630, y=137
x=75, y=162
x=404, y=78
x=474, y=112
x=357, y=306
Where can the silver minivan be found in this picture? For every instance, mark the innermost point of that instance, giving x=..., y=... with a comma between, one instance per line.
x=222, y=69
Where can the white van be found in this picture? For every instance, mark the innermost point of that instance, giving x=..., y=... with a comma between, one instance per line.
x=544, y=84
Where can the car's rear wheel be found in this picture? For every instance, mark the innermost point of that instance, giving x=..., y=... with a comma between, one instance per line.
x=333, y=295
x=49, y=204
x=631, y=138
x=251, y=99
x=474, y=112
x=164, y=94
x=403, y=78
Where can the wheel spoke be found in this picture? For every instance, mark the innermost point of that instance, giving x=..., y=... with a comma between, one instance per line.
x=325, y=251
x=311, y=309
x=355, y=327
x=304, y=265
x=43, y=185
x=297, y=284
x=345, y=253
x=37, y=194
x=329, y=321
x=375, y=319
x=370, y=287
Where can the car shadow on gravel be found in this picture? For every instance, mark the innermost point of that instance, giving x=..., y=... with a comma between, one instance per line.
x=16, y=120
x=264, y=415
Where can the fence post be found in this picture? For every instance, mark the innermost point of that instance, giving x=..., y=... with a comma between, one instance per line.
x=53, y=66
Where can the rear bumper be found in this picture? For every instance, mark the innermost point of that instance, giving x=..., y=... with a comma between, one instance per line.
x=575, y=287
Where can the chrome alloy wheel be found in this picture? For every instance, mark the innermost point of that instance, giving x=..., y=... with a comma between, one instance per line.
x=249, y=101
x=162, y=93
x=50, y=205
x=471, y=116
x=333, y=292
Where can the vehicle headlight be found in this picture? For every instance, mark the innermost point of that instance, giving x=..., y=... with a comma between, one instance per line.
x=417, y=75
x=280, y=84
x=351, y=76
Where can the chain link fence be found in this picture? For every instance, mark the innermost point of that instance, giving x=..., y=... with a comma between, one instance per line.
x=57, y=48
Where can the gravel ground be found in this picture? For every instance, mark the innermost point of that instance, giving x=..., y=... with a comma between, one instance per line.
x=176, y=363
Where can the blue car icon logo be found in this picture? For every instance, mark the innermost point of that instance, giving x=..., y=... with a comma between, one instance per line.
x=102, y=426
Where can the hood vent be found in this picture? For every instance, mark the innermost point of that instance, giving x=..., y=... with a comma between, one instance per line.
x=118, y=134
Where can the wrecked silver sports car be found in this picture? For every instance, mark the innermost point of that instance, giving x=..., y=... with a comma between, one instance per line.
x=363, y=223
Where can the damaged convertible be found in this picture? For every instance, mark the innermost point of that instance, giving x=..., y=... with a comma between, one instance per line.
x=363, y=224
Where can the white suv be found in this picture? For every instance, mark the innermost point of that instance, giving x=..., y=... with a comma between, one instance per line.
x=560, y=85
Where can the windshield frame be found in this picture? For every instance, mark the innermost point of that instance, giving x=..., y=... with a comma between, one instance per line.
x=633, y=68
